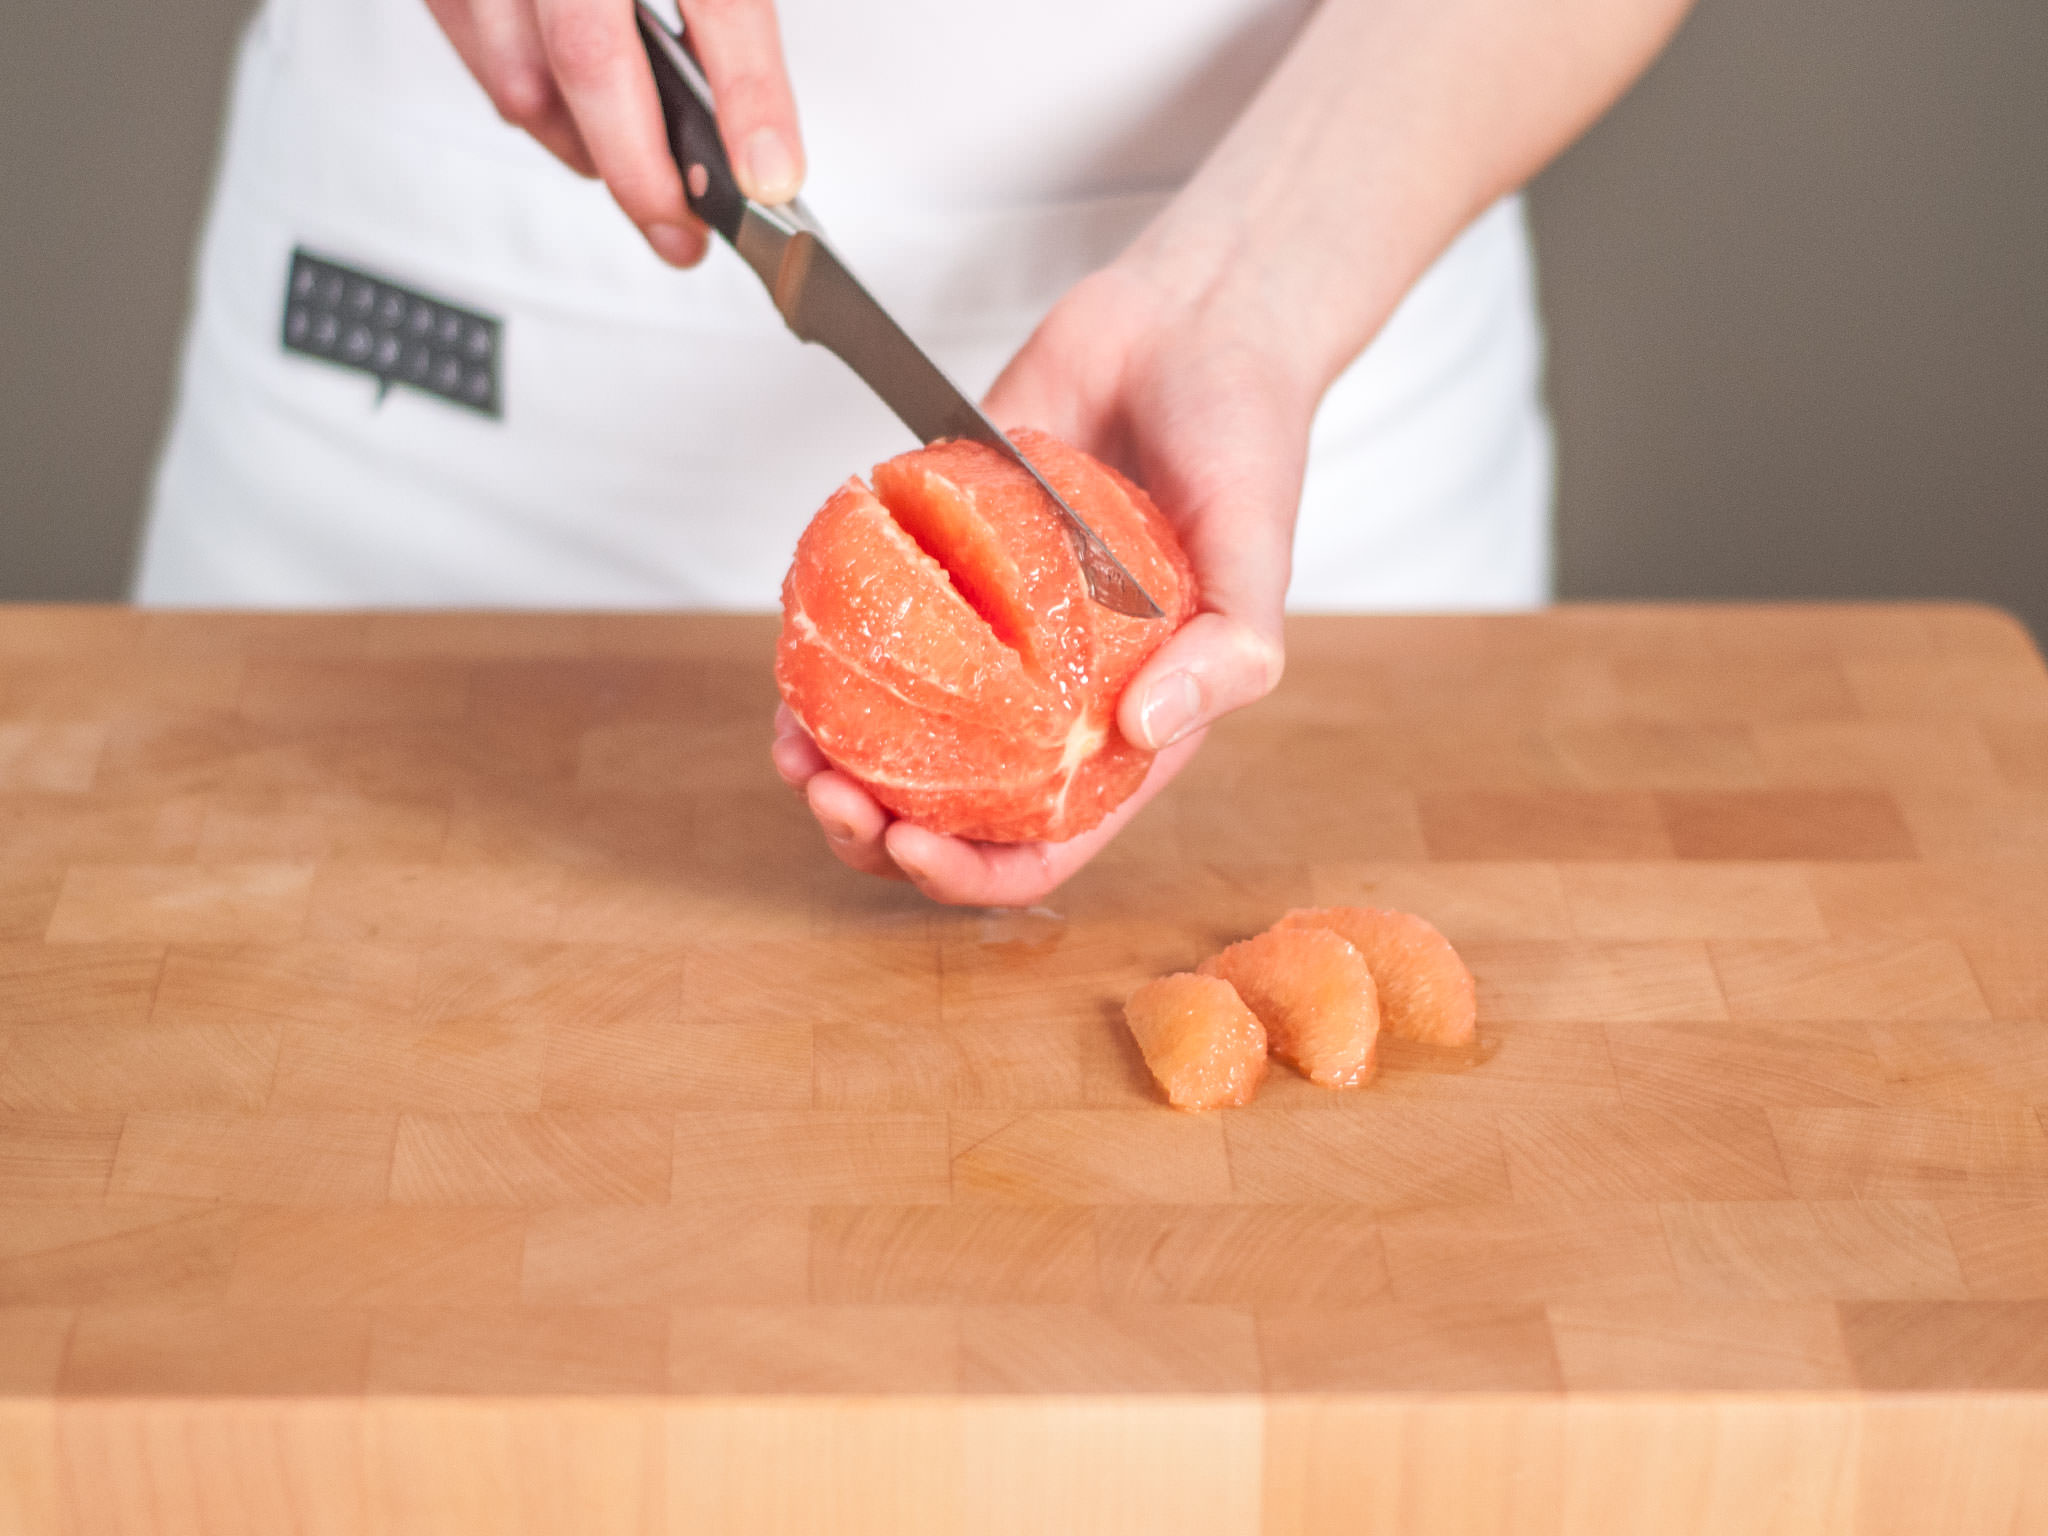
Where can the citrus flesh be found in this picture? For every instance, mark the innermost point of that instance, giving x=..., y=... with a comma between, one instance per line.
x=939, y=645
x=1425, y=991
x=1315, y=996
x=1200, y=1041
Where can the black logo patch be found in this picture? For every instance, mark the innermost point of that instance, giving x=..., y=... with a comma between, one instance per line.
x=395, y=335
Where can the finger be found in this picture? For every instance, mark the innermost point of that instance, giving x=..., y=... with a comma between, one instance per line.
x=499, y=42
x=969, y=874
x=963, y=873
x=797, y=759
x=854, y=825
x=795, y=755
x=594, y=51
x=740, y=47
x=1064, y=379
x=1038, y=388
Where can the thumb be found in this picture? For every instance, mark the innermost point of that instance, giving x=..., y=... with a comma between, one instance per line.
x=1233, y=501
x=1215, y=663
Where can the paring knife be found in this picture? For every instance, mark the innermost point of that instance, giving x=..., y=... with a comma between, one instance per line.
x=822, y=301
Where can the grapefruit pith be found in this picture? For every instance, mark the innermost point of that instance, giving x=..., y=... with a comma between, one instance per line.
x=939, y=644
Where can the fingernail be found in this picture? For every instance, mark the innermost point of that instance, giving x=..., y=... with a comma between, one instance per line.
x=672, y=244
x=770, y=167
x=835, y=829
x=1172, y=708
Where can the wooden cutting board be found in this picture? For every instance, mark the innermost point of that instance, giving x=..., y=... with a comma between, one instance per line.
x=445, y=1084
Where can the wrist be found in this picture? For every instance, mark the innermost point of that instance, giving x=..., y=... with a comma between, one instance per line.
x=1220, y=270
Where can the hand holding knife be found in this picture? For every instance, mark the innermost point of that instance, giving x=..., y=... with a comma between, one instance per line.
x=821, y=301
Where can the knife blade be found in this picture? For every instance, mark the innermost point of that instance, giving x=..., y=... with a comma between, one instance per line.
x=821, y=301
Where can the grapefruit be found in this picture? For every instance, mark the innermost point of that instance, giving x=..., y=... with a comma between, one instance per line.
x=939, y=645
x=1314, y=995
x=1200, y=1041
x=1425, y=991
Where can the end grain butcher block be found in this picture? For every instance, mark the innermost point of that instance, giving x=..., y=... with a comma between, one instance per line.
x=444, y=1085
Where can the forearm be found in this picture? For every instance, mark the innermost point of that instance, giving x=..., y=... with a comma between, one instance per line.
x=1388, y=126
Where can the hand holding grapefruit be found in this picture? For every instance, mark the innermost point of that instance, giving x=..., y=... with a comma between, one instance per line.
x=939, y=645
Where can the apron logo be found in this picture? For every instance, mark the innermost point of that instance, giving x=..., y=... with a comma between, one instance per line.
x=396, y=335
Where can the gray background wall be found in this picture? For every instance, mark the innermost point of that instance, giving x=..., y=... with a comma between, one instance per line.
x=1797, y=286
x=1797, y=289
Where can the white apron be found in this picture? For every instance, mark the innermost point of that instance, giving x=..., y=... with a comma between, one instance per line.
x=662, y=439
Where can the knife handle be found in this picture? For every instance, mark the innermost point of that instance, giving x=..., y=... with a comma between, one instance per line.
x=693, y=137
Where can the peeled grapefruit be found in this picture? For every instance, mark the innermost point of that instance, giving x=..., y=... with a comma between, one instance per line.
x=1425, y=991
x=1312, y=992
x=1201, y=1042
x=939, y=644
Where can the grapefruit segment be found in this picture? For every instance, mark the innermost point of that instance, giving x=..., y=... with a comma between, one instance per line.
x=1201, y=1043
x=1136, y=533
x=860, y=731
x=1425, y=991
x=952, y=662
x=939, y=645
x=959, y=534
x=1314, y=995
